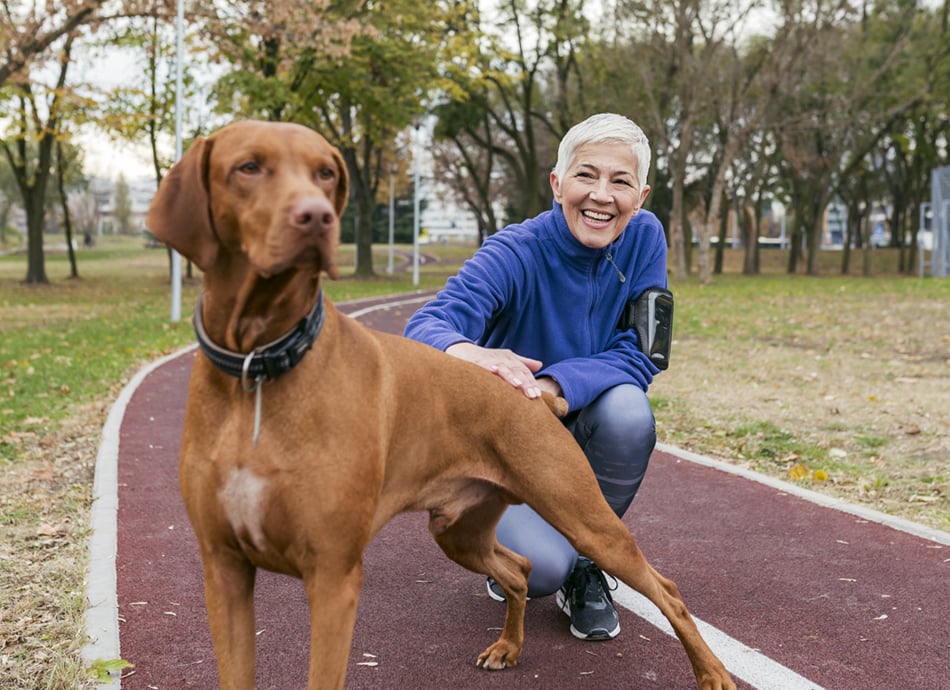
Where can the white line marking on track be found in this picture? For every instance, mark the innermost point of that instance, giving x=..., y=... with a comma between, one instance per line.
x=914, y=528
x=751, y=666
x=398, y=303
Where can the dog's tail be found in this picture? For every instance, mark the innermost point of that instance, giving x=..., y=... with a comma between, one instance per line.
x=556, y=404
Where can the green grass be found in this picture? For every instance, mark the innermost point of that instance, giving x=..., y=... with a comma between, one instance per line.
x=764, y=441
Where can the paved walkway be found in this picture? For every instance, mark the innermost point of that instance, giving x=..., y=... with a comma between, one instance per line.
x=792, y=589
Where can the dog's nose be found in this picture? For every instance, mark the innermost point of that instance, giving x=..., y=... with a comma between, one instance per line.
x=313, y=215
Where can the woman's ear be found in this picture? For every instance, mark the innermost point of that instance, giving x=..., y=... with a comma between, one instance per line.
x=644, y=193
x=556, y=187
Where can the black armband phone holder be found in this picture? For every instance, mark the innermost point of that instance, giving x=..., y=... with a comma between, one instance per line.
x=651, y=316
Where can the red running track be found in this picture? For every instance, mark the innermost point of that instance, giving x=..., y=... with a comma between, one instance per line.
x=831, y=598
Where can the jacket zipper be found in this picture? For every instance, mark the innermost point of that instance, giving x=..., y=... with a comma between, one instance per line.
x=620, y=275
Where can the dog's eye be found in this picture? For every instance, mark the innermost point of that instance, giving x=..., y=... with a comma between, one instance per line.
x=326, y=173
x=250, y=168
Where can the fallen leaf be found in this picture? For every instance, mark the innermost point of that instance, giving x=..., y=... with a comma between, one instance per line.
x=798, y=472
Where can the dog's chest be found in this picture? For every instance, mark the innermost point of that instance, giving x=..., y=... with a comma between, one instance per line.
x=243, y=496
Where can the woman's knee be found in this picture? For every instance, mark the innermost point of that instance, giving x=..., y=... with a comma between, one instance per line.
x=552, y=557
x=621, y=416
x=617, y=433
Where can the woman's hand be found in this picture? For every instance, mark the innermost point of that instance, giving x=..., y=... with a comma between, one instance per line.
x=512, y=367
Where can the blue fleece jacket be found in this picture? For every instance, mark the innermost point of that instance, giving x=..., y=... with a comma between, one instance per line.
x=534, y=289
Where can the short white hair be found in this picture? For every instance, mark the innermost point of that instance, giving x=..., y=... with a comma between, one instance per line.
x=600, y=128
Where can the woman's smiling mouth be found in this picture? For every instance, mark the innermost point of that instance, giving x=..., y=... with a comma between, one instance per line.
x=597, y=216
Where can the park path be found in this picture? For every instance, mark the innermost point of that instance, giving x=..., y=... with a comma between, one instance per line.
x=792, y=593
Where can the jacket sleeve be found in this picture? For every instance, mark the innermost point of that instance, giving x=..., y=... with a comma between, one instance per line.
x=463, y=310
x=583, y=379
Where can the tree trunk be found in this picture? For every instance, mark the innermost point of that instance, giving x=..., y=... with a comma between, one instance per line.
x=35, y=256
x=721, y=245
x=364, y=232
x=677, y=236
x=64, y=201
x=794, y=244
x=750, y=260
x=846, y=250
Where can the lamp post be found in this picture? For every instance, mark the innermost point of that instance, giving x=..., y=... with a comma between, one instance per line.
x=415, y=210
x=392, y=175
x=180, y=57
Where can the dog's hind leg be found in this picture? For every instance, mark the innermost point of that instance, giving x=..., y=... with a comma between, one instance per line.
x=608, y=542
x=333, y=592
x=470, y=541
x=229, y=595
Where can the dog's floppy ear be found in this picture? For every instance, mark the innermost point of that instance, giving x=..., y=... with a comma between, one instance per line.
x=180, y=213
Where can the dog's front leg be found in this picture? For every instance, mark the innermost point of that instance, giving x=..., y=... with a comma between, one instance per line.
x=468, y=538
x=229, y=597
x=507, y=649
x=333, y=594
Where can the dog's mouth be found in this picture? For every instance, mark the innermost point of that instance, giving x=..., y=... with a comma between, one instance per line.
x=272, y=261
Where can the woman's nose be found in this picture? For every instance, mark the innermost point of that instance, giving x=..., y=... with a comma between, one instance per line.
x=600, y=192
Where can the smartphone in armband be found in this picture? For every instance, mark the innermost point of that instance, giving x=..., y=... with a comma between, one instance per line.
x=651, y=316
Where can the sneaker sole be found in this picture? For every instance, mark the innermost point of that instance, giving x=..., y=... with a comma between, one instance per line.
x=494, y=595
x=596, y=636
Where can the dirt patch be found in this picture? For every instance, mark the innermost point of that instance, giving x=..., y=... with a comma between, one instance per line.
x=45, y=507
x=848, y=396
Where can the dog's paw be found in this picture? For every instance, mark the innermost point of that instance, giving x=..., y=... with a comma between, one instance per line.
x=500, y=655
x=715, y=680
x=556, y=404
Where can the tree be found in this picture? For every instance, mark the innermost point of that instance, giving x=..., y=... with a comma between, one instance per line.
x=8, y=197
x=68, y=174
x=28, y=31
x=122, y=205
x=370, y=95
x=29, y=151
x=359, y=73
x=465, y=160
x=836, y=107
x=516, y=89
x=670, y=50
x=146, y=109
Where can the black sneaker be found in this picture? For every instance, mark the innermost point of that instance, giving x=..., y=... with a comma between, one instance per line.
x=494, y=590
x=586, y=599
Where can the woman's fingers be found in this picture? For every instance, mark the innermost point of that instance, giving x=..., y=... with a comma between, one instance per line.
x=511, y=367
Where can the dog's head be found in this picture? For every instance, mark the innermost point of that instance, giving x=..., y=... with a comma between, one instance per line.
x=270, y=191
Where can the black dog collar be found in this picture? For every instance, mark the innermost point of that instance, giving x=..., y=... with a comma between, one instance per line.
x=269, y=361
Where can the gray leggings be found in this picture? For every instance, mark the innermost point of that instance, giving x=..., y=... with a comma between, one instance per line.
x=617, y=432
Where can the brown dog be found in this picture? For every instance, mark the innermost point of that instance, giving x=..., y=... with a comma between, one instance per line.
x=306, y=432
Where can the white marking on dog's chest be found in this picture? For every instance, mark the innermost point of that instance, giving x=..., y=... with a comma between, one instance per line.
x=243, y=499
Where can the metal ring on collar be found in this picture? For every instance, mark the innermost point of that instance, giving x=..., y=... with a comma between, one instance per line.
x=245, y=370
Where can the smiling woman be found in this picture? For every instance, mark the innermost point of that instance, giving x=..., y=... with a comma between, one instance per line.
x=540, y=305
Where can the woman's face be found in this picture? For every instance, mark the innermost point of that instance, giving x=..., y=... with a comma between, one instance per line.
x=600, y=192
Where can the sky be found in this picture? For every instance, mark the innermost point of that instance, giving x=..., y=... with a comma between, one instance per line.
x=105, y=158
